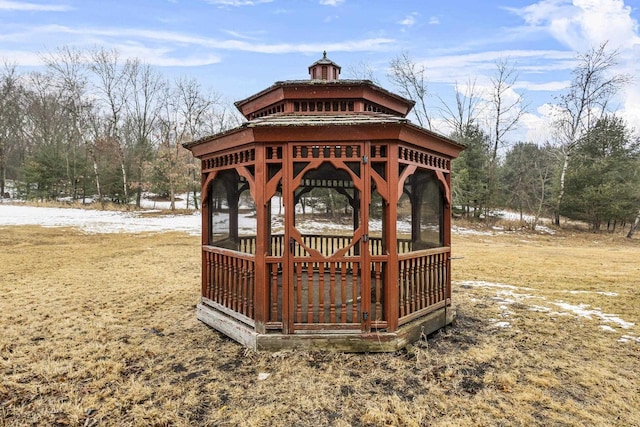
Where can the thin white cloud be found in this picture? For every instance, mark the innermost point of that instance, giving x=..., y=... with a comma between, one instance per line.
x=238, y=35
x=409, y=20
x=434, y=20
x=331, y=2
x=32, y=7
x=553, y=86
x=160, y=47
x=459, y=68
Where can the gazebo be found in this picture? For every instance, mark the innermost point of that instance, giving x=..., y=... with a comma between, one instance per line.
x=326, y=219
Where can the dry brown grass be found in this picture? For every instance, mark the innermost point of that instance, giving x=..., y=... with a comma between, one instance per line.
x=101, y=330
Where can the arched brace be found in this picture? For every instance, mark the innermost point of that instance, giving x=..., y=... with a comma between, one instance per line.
x=316, y=163
x=445, y=185
x=297, y=197
x=381, y=185
x=244, y=172
x=409, y=170
x=205, y=186
x=272, y=185
x=349, y=197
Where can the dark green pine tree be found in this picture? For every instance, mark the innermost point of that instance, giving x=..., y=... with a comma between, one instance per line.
x=603, y=179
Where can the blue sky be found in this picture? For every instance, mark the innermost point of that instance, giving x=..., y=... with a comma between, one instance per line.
x=238, y=47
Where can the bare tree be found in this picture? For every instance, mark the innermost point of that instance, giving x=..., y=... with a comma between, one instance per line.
x=409, y=77
x=11, y=93
x=70, y=73
x=112, y=87
x=593, y=86
x=507, y=107
x=143, y=106
x=468, y=106
x=362, y=71
x=184, y=118
x=506, y=110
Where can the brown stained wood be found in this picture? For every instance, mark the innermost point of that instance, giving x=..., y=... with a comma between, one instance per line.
x=320, y=290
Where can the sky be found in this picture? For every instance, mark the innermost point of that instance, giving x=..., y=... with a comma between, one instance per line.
x=239, y=47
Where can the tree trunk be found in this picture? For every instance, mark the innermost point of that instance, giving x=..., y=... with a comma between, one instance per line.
x=3, y=176
x=634, y=226
x=97, y=177
x=172, y=196
x=563, y=175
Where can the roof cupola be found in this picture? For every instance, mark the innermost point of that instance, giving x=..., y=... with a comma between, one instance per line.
x=324, y=69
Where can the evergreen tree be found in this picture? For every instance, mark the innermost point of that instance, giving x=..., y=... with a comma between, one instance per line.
x=603, y=182
x=470, y=171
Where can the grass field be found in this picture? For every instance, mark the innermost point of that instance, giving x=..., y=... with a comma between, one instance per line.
x=100, y=329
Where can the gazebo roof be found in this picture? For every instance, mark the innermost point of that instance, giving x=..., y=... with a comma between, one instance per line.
x=297, y=121
x=321, y=89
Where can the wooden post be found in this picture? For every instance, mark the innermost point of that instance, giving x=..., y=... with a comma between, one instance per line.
x=391, y=231
x=447, y=236
x=261, y=291
x=206, y=232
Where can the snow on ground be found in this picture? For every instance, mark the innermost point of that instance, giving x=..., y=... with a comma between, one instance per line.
x=94, y=221
x=507, y=295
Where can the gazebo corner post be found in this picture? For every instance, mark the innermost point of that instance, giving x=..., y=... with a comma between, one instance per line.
x=448, y=202
x=261, y=277
x=391, y=230
x=206, y=232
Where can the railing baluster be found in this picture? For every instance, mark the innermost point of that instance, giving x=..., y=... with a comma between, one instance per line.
x=332, y=292
x=343, y=292
x=321, y=283
x=355, y=294
x=310, y=292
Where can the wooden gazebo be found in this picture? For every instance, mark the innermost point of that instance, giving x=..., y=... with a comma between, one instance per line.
x=326, y=219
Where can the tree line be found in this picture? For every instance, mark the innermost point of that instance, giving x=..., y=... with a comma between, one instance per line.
x=588, y=170
x=92, y=126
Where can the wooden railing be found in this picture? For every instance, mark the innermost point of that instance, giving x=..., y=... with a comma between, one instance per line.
x=325, y=244
x=422, y=282
x=327, y=292
x=274, y=272
x=229, y=279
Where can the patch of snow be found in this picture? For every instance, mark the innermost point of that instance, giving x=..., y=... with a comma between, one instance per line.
x=502, y=324
x=506, y=295
x=545, y=229
x=581, y=310
x=606, y=294
x=483, y=284
x=539, y=309
x=467, y=231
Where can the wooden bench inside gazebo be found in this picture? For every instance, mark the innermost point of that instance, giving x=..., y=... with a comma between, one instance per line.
x=326, y=219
